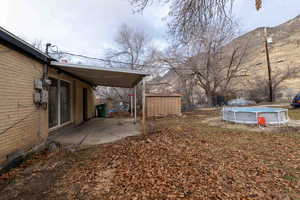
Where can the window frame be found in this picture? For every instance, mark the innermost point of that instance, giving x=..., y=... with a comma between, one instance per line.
x=59, y=124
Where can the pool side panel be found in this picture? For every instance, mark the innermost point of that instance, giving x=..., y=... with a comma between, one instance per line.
x=248, y=116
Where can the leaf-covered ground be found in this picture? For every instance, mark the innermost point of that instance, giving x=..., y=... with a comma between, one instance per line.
x=179, y=158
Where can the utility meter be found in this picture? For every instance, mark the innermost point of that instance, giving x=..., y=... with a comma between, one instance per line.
x=44, y=96
x=38, y=84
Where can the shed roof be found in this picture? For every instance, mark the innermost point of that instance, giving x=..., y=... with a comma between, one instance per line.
x=163, y=95
x=102, y=76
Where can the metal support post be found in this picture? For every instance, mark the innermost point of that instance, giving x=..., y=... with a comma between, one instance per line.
x=144, y=106
x=135, y=104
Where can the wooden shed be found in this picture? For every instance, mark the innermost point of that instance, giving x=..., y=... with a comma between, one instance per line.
x=163, y=104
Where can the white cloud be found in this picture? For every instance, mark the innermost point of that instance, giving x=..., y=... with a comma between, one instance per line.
x=89, y=26
x=85, y=27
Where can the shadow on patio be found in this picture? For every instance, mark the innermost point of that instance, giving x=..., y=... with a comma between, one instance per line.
x=96, y=131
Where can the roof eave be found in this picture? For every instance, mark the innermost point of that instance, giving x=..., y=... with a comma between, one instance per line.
x=8, y=38
x=58, y=64
x=69, y=68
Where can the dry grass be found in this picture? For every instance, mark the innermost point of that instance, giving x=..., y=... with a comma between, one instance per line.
x=294, y=113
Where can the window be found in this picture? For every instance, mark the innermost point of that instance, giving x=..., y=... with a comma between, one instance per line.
x=59, y=102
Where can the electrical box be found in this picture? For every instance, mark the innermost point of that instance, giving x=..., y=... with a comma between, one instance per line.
x=44, y=96
x=37, y=97
x=269, y=40
x=41, y=97
x=48, y=82
x=38, y=84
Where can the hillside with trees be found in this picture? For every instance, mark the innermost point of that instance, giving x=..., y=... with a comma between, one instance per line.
x=252, y=84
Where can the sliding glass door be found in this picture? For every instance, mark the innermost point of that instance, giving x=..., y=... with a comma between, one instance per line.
x=65, y=102
x=59, y=103
x=53, y=103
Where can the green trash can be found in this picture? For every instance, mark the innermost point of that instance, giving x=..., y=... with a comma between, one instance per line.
x=101, y=110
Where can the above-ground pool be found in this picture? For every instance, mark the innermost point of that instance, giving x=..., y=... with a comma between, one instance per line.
x=250, y=115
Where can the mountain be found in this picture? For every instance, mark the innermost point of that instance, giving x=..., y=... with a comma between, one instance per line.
x=284, y=52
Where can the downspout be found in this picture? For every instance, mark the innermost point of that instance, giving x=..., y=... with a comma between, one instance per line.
x=45, y=88
x=45, y=80
x=46, y=68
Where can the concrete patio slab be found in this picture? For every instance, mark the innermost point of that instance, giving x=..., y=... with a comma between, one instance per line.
x=96, y=131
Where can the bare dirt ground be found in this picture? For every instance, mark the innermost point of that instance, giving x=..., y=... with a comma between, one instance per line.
x=179, y=158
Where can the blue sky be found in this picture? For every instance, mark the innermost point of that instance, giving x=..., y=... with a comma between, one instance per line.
x=89, y=26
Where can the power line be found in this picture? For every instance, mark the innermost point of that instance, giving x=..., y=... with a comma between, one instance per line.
x=119, y=62
x=101, y=59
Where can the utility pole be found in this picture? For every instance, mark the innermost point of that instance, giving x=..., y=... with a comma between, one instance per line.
x=269, y=66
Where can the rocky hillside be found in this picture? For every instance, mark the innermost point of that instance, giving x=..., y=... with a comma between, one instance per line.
x=284, y=53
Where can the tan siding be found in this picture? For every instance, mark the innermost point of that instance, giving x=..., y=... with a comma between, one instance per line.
x=163, y=105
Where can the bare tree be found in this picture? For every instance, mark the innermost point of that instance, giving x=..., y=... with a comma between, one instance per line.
x=117, y=94
x=38, y=44
x=215, y=60
x=174, y=59
x=189, y=18
x=187, y=89
x=211, y=62
x=53, y=50
x=59, y=55
x=282, y=75
x=198, y=28
x=259, y=84
x=131, y=48
x=215, y=74
x=202, y=6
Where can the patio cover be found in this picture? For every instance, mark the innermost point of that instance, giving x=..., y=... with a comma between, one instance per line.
x=101, y=76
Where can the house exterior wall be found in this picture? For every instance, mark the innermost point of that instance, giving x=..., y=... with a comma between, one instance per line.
x=77, y=96
x=24, y=125
x=78, y=108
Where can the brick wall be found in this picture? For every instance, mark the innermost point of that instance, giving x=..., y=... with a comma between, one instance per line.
x=22, y=124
